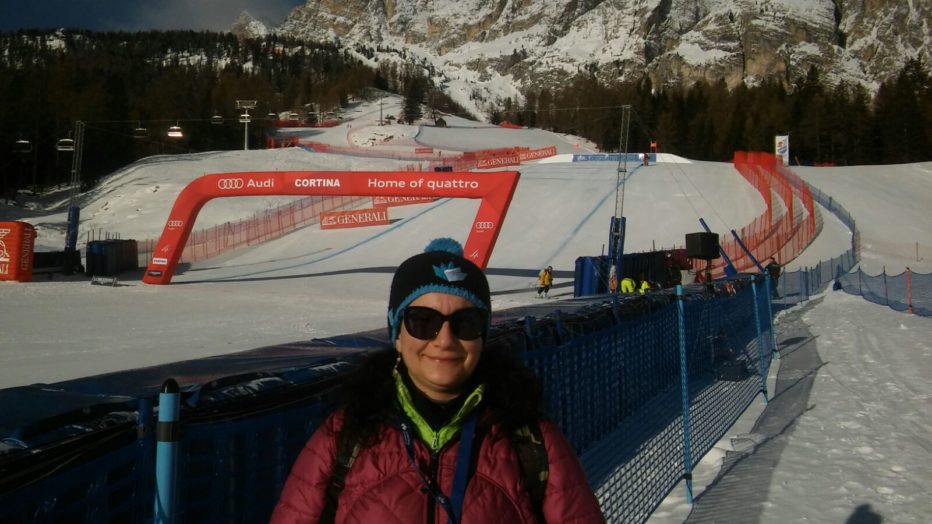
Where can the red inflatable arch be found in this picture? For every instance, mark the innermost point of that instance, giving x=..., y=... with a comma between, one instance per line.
x=495, y=189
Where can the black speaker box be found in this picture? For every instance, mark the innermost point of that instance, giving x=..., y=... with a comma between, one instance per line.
x=702, y=245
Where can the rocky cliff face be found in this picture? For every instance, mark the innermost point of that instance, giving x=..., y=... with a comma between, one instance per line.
x=247, y=26
x=537, y=43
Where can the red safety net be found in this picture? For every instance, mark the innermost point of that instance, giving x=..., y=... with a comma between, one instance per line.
x=785, y=228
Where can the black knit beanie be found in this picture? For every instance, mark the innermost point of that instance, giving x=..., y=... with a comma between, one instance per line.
x=441, y=268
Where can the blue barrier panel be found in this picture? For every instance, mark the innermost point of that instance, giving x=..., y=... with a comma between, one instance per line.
x=234, y=470
x=109, y=478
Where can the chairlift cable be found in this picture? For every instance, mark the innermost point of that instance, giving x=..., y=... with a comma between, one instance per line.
x=708, y=204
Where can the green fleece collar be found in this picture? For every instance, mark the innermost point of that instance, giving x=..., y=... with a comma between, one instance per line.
x=435, y=440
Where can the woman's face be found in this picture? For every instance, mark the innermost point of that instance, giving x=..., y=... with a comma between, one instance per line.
x=440, y=366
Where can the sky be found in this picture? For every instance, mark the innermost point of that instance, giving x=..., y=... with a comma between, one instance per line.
x=119, y=15
x=864, y=437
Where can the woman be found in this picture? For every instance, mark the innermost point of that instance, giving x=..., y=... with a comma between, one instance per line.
x=432, y=423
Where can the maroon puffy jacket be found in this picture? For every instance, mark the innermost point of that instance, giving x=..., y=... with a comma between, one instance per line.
x=382, y=486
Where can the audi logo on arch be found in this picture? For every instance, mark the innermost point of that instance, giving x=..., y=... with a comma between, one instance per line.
x=230, y=183
x=484, y=225
x=175, y=223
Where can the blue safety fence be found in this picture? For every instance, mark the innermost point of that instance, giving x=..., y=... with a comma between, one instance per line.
x=907, y=291
x=641, y=396
x=612, y=373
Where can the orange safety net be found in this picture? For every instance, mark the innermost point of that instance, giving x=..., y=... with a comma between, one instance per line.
x=785, y=228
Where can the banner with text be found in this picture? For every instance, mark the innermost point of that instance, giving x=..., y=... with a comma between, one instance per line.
x=17, y=240
x=380, y=201
x=781, y=148
x=356, y=218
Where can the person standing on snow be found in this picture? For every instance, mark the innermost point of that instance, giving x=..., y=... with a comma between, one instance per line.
x=545, y=281
x=437, y=427
x=774, y=269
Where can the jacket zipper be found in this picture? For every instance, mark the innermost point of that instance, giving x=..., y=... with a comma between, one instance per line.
x=431, y=503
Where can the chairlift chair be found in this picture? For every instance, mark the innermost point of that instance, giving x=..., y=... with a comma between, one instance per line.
x=245, y=118
x=272, y=115
x=65, y=144
x=216, y=120
x=175, y=132
x=140, y=132
x=293, y=116
x=22, y=146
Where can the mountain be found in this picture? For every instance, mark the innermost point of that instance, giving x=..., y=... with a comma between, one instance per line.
x=500, y=48
x=248, y=26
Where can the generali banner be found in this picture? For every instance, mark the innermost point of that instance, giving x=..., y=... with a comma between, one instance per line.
x=377, y=216
x=534, y=154
x=516, y=158
x=380, y=201
x=498, y=161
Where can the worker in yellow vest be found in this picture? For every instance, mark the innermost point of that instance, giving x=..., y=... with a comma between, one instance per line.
x=644, y=286
x=545, y=280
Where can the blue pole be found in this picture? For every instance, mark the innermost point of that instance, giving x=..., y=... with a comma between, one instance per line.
x=620, y=248
x=684, y=390
x=747, y=251
x=616, y=245
x=760, y=339
x=167, y=433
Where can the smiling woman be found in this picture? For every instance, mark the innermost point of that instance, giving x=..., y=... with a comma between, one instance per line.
x=440, y=426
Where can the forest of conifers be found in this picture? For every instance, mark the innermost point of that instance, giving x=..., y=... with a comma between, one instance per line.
x=119, y=83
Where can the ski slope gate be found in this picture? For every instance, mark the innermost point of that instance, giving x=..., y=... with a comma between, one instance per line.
x=494, y=189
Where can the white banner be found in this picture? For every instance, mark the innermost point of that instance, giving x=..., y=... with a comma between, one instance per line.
x=781, y=148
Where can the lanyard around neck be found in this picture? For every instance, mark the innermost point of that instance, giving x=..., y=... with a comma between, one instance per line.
x=454, y=504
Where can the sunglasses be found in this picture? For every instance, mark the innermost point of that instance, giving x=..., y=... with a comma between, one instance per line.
x=425, y=323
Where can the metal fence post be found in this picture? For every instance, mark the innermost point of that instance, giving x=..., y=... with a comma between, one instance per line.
x=167, y=433
x=684, y=391
x=760, y=342
x=773, y=335
x=809, y=275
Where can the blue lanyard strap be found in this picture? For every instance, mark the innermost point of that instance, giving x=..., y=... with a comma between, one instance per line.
x=461, y=473
x=453, y=506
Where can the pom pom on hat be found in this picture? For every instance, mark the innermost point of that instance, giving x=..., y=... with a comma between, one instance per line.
x=441, y=268
x=445, y=244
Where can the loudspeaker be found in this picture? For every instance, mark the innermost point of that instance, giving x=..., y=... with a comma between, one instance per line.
x=702, y=245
